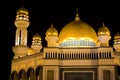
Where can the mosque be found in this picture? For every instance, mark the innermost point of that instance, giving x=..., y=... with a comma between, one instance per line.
x=76, y=53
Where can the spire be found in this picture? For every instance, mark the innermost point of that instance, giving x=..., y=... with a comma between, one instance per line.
x=77, y=18
x=22, y=6
x=103, y=24
x=118, y=33
x=51, y=25
x=22, y=3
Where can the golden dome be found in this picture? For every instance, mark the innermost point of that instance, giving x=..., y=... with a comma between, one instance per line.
x=22, y=10
x=51, y=31
x=117, y=35
x=37, y=37
x=103, y=30
x=77, y=30
x=30, y=51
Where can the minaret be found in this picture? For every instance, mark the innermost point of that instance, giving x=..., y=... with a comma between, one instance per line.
x=52, y=37
x=36, y=43
x=22, y=22
x=116, y=44
x=104, y=35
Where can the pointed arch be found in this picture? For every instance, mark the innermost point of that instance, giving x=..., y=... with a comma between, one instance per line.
x=14, y=76
x=39, y=72
x=31, y=75
x=22, y=74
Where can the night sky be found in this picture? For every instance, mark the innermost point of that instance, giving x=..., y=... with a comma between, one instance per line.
x=43, y=13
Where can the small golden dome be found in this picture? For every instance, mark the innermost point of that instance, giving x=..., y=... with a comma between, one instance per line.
x=22, y=10
x=98, y=43
x=51, y=31
x=37, y=37
x=117, y=35
x=30, y=51
x=77, y=30
x=103, y=30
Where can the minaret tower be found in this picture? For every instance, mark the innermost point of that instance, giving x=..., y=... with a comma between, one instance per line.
x=117, y=42
x=104, y=35
x=52, y=37
x=22, y=22
x=36, y=43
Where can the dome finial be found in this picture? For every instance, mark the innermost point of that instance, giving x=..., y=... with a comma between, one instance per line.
x=103, y=24
x=118, y=33
x=52, y=25
x=77, y=16
x=77, y=13
x=22, y=3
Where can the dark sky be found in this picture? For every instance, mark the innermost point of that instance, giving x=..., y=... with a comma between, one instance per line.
x=43, y=13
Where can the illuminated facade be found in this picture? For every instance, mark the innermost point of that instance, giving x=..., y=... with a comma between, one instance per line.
x=76, y=53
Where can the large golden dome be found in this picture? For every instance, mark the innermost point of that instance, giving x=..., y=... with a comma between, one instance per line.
x=77, y=30
x=51, y=31
x=103, y=30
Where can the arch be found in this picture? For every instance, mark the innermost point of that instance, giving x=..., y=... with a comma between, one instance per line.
x=31, y=75
x=14, y=76
x=39, y=72
x=22, y=74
